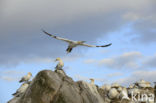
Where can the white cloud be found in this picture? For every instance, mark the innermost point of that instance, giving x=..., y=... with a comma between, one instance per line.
x=126, y=60
x=12, y=72
x=138, y=75
x=131, y=16
x=9, y=78
x=21, y=22
x=11, y=75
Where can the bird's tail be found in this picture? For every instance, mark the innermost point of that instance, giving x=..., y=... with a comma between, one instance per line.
x=14, y=94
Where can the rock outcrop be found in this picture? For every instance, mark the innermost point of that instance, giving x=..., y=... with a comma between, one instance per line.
x=57, y=87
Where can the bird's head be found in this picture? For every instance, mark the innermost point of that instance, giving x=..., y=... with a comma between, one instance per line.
x=92, y=80
x=29, y=73
x=57, y=59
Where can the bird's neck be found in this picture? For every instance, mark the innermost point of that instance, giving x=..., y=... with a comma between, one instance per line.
x=92, y=82
x=61, y=62
x=29, y=75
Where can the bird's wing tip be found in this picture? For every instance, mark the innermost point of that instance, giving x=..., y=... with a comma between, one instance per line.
x=105, y=45
x=43, y=30
x=110, y=44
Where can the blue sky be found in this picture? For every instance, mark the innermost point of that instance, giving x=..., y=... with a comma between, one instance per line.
x=126, y=24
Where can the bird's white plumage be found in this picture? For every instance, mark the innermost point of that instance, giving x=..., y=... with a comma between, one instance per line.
x=22, y=89
x=59, y=38
x=92, y=81
x=73, y=43
x=26, y=77
x=60, y=63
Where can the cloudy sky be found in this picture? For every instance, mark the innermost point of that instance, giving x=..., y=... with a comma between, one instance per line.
x=130, y=25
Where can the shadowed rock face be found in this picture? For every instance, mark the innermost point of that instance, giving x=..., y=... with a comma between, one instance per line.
x=56, y=87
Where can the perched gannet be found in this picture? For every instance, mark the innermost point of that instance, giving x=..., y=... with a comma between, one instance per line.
x=124, y=94
x=21, y=90
x=72, y=43
x=91, y=81
x=115, y=85
x=26, y=77
x=113, y=93
x=60, y=64
x=131, y=86
x=143, y=84
x=119, y=89
x=106, y=87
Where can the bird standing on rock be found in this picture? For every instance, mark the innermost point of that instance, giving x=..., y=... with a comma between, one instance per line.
x=26, y=78
x=21, y=90
x=72, y=43
x=60, y=64
x=92, y=81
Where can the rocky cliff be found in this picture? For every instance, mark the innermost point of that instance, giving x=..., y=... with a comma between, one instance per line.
x=57, y=87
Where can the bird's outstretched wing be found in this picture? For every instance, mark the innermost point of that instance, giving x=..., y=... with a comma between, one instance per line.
x=59, y=38
x=83, y=44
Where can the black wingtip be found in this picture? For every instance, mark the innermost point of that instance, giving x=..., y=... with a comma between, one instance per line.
x=110, y=44
x=14, y=94
x=46, y=32
x=106, y=45
x=43, y=31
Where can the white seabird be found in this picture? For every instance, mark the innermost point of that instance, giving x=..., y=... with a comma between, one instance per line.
x=72, y=44
x=113, y=93
x=60, y=64
x=124, y=94
x=143, y=84
x=26, y=77
x=91, y=81
x=106, y=87
x=21, y=90
x=115, y=85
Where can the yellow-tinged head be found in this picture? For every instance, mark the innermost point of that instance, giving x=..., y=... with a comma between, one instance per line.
x=58, y=59
x=29, y=73
x=92, y=80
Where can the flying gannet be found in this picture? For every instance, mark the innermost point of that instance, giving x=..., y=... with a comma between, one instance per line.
x=21, y=90
x=72, y=44
x=60, y=64
x=26, y=77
